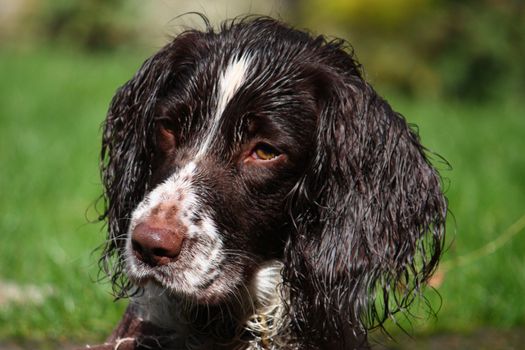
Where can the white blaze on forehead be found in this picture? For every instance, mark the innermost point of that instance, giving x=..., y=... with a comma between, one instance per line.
x=231, y=80
x=229, y=83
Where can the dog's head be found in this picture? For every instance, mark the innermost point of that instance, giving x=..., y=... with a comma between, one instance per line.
x=230, y=149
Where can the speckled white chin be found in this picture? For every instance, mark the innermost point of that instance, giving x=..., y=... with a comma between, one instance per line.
x=263, y=304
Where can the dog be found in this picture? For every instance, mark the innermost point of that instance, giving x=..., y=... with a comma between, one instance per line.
x=260, y=194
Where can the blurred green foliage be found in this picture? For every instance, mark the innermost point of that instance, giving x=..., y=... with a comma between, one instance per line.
x=92, y=25
x=471, y=50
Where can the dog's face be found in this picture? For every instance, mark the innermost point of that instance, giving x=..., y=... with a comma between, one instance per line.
x=232, y=138
x=260, y=142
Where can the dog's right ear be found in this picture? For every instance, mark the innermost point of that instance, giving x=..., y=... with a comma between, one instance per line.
x=127, y=143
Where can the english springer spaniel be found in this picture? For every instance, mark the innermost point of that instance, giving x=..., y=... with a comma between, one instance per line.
x=261, y=195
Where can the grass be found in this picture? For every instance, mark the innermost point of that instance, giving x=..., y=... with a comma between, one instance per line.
x=51, y=106
x=486, y=192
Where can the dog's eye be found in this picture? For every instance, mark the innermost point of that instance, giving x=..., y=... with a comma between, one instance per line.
x=165, y=135
x=165, y=123
x=263, y=151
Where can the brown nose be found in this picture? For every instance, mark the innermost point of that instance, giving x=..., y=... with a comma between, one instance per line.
x=156, y=246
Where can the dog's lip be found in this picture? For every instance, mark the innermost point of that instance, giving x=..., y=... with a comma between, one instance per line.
x=140, y=273
x=142, y=281
x=206, y=292
x=159, y=276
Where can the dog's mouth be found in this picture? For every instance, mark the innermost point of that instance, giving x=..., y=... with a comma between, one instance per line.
x=204, y=293
x=193, y=275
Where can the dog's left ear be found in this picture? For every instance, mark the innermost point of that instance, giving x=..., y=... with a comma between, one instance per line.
x=369, y=216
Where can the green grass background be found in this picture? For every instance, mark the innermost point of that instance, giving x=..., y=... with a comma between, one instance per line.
x=52, y=104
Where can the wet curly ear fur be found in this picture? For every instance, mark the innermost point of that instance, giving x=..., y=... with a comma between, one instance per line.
x=128, y=142
x=369, y=214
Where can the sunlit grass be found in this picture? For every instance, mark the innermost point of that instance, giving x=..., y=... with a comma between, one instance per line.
x=51, y=106
x=486, y=190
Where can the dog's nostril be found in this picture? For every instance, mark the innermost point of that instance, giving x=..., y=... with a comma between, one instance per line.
x=156, y=246
x=161, y=252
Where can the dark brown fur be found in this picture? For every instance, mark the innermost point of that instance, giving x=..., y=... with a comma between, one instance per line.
x=356, y=212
